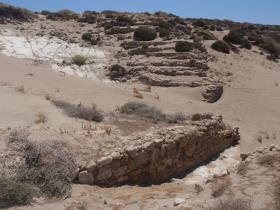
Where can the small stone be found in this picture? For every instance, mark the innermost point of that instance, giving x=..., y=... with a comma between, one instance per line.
x=104, y=173
x=85, y=177
x=104, y=161
x=92, y=167
x=179, y=201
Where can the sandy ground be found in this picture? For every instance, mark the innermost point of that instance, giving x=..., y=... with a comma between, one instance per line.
x=251, y=101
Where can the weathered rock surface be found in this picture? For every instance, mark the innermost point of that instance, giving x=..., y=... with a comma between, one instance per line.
x=162, y=154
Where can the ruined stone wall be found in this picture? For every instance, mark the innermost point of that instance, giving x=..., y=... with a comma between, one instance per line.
x=158, y=156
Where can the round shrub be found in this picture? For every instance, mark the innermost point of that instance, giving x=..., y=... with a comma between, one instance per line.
x=123, y=20
x=183, y=46
x=246, y=44
x=144, y=33
x=235, y=36
x=221, y=46
x=164, y=32
x=79, y=60
x=87, y=37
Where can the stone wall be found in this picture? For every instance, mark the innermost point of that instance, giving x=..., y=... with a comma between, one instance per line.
x=157, y=156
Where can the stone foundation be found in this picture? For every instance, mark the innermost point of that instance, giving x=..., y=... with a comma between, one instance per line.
x=157, y=156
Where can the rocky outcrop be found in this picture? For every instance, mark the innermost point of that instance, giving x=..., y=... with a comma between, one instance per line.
x=161, y=154
x=212, y=93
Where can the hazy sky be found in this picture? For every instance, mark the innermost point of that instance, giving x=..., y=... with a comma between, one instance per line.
x=255, y=11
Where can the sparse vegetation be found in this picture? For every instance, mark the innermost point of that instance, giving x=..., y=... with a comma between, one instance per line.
x=164, y=32
x=63, y=15
x=183, y=46
x=87, y=37
x=144, y=33
x=41, y=118
x=221, y=46
x=123, y=20
x=90, y=114
x=48, y=166
x=15, y=193
x=232, y=205
x=150, y=112
x=79, y=60
x=276, y=194
x=16, y=13
x=20, y=89
x=137, y=94
x=271, y=46
x=219, y=187
x=235, y=36
x=269, y=160
x=116, y=71
x=206, y=35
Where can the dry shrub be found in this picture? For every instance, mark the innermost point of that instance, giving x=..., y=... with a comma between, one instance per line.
x=150, y=112
x=41, y=118
x=269, y=160
x=148, y=88
x=232, y=205
x=196, y=117
x=48, y=166
x=137, y=94
x=90, y=114
x=14, y=193
x=276, y=194
x=219, y=187
x=242, y=168
x=20, y=89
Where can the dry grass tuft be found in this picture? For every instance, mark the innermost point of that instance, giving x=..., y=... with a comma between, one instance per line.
x=41, y=118
x=232, y=205
x=148, y=88
x=219, y=187
x=269, y=160
x=276, y=194
x=242, y=168
x=137, y=94
x=90, y=114
x=20, y=89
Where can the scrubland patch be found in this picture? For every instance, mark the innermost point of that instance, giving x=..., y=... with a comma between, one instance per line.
x=232, y=205
x=79, y=111
x=150, y=112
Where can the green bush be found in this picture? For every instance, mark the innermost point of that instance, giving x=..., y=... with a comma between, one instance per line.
x=90, y=114
x=164, y=32
x=144, y=33
x=87, y=37
x=123, y=20
x=221, y=46
x=14, y=193
x=246, y=44
x=79, y=60
x=207, y=35
x=183, y=46
x=235, y=36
